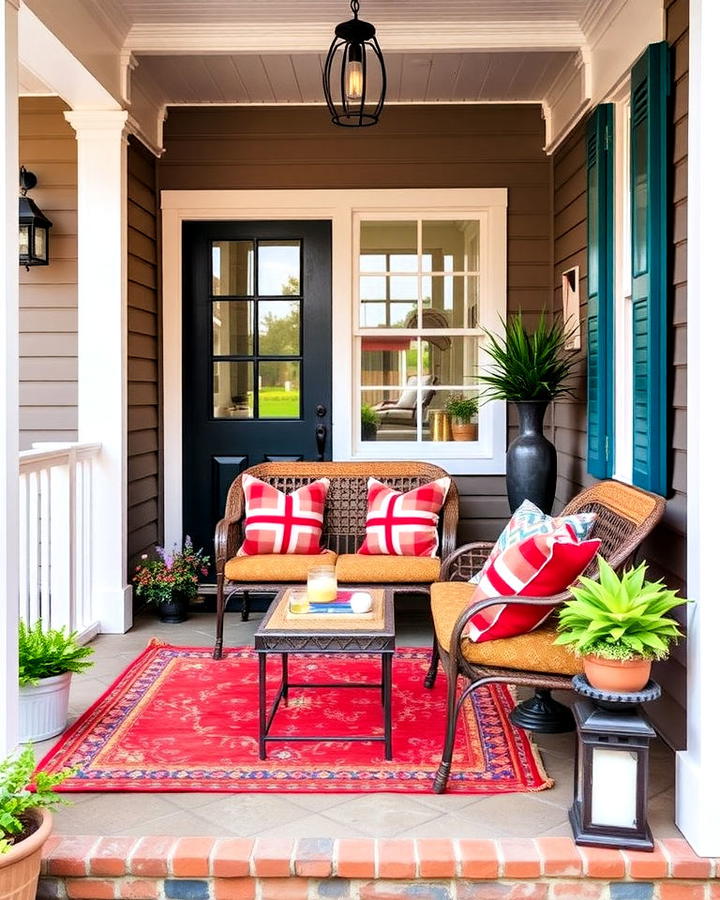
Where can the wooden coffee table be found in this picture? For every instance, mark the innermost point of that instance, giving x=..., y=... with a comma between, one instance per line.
x=300, y=635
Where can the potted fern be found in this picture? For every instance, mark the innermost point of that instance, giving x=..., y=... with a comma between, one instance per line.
x=530, y=369
x=25, y=822
x=46, y=662
x=461, y=410
x=619, y=624
x=368, y=423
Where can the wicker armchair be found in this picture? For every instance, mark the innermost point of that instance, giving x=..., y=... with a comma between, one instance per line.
x=625, y=516
x=344, y=530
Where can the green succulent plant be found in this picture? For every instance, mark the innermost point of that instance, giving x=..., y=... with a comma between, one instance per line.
x=17, y=800
x=529, y=365
x=42, y=654
x=619, y=617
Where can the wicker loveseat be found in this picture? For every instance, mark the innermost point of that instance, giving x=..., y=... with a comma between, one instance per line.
x=344, y=531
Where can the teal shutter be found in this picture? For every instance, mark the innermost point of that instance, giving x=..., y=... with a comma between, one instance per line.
x=600, y=382
x=650, y=91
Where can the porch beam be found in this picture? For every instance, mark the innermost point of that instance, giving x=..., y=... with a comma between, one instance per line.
x=697, y=785
x=172, y=38
x=9, y=467
x=102, y=349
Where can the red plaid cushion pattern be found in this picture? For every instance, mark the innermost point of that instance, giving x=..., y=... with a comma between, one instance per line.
x=282, y=523
x=403, y=524
x=539, y=566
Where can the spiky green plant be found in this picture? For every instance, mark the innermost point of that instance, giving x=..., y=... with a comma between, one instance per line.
x=42, y=654
x=619, y=617
x=529, y=365
x=21, y=792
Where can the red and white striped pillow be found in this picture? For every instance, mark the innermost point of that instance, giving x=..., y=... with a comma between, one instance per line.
x=403, y=524
x=283, y=523
x=540, y=566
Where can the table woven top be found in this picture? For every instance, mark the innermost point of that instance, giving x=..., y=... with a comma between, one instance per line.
x=281, y=619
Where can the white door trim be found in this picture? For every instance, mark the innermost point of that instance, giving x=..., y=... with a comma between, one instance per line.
x=337, y=206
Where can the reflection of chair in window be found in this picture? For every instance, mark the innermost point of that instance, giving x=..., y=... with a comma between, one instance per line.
x=403, y=411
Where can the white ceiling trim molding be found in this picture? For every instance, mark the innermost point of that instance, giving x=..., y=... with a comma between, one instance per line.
x=111, y=17
x=567, y=100
x=315, y=37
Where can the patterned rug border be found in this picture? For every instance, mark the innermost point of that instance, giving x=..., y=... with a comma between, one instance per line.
x=527, y=763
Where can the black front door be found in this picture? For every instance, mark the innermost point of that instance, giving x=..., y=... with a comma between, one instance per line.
x=256, y=355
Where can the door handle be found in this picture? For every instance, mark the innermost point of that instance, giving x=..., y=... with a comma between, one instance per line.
x=320, y=438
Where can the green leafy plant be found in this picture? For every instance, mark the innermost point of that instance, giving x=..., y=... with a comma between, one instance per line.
x=529, y=365
x=174, y=571
x=368, y=416
x=43, y=654
x=462, y=408
x=22, y=791
x=619, y=617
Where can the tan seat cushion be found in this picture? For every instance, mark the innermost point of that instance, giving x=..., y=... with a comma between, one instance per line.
x=360, y=568
x=534, y=651
x=274, y=567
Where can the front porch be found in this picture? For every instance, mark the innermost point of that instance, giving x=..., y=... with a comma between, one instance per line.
x=105, y=841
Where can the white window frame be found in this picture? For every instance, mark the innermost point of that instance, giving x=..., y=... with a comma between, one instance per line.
x=622, y=289
x=492, y=306
x=339, y=207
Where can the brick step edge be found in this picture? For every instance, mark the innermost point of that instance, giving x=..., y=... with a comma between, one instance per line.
x=294, y=888
x=303, y=858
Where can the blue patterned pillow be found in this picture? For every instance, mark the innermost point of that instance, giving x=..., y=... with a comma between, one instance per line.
x=529, y=520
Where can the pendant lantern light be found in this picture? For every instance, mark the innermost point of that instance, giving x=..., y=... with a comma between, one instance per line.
x=354, y=78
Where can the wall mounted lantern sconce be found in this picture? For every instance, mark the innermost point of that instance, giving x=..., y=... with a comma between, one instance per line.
x=34, y=226
x=354, y=78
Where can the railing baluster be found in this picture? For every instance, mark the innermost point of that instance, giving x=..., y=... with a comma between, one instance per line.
x=56, y=534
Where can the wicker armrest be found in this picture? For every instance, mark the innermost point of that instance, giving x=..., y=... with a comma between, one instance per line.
x=479, y=605
x=466, y=561
x=227, y=539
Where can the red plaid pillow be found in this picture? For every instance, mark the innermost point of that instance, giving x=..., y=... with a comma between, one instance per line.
x=403, y=524
x=282, y=523
x=540, y=566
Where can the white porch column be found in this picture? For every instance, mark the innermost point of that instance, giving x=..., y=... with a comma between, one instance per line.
x=102, y=358
x=698, y=788
x=9, y=474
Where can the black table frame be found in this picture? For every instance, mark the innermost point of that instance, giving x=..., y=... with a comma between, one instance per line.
x=307, y=642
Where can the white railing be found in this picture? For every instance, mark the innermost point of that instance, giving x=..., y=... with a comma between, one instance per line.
x=56, y=536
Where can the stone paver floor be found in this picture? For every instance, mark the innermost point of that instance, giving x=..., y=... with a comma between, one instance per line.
x=326, y=815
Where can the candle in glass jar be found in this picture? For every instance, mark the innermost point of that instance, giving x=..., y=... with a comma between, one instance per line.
x=321, y=585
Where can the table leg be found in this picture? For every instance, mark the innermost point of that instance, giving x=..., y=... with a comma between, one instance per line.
x=262, y=698
x=285, y=677
x=387, y=694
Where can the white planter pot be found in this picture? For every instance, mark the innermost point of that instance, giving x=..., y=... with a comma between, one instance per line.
x=44, y=708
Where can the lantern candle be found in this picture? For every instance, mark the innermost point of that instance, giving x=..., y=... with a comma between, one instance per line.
x=321, y=585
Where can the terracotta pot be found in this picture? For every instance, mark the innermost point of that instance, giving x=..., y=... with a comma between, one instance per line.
x=20, y=867
x=464, y=432
x=617, y=675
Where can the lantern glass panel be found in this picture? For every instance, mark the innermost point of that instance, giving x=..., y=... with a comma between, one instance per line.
x=24, y=240
x=40, y=242
x=614, y=788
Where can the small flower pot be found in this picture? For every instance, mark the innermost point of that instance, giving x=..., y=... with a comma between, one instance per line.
x=617, y=675
x=20, y=866
x=464, y=431
x=174, y=610
x=44, y=708
x=368, y=431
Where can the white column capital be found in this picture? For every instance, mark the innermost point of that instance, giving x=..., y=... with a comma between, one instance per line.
x=98, y=124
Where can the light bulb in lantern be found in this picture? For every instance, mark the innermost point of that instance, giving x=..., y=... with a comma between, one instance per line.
x=354, y=73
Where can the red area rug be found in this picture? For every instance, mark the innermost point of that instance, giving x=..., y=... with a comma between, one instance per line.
x=177, y=720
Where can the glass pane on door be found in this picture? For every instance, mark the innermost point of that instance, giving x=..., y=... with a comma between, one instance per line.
x=278, y=268
x=233, y=270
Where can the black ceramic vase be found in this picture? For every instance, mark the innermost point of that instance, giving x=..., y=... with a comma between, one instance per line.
x=174, y=610
x=531, y=460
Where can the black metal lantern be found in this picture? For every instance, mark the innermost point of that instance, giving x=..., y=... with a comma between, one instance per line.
x=354, y=78
x=611, y=768
x=34, y=226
